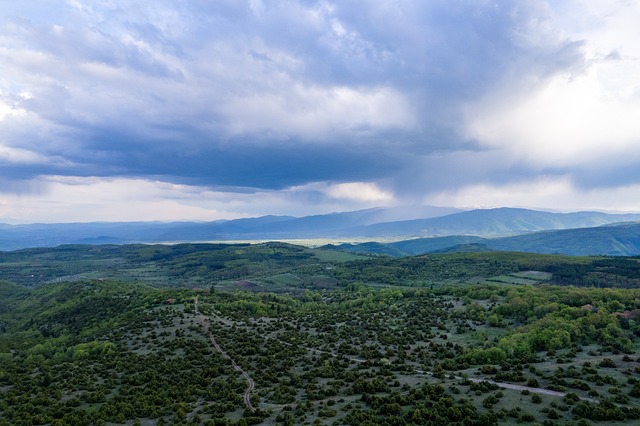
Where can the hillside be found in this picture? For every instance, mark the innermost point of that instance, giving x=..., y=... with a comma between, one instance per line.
x=281, y=267
x=237, y=334
x=491, y=223
x=612, y=240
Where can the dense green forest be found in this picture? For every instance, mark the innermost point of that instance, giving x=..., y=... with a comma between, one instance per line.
x=281, y=334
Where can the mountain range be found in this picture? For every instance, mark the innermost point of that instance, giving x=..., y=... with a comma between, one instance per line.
x=417, y=230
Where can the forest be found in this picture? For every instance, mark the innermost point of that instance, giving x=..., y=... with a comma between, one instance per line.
x=273, y=333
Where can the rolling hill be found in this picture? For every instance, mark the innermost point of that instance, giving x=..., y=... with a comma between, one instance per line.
x=490, y=223
x=622, y=239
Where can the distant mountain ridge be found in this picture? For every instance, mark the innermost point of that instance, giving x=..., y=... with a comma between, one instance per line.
x=619, y=239
x=492, y=222
x=468, y=227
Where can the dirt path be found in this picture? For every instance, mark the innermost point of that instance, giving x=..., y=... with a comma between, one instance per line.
x=251, y=385
x=513, y=386
x=502, y=385
x=540, y=391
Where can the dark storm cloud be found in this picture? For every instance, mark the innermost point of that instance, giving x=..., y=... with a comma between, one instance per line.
x=236, y=164
x=139, y=87
x=276, y=94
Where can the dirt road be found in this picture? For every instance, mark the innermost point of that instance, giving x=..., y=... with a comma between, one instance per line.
x=251, y=385
x=530, y=389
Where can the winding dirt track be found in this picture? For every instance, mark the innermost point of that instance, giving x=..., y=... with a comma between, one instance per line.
x=502, y=385
x=513, y=386
x=251, y=385
x=540, y=391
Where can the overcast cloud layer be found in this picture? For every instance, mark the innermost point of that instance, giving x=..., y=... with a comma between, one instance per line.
x=170, y=110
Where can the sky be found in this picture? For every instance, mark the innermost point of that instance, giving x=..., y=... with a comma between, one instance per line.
x=121, y=110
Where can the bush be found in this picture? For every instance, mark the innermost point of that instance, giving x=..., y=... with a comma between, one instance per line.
x=607, y=363
x=526, y=418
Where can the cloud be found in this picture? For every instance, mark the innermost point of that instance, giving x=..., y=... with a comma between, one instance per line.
x=163, y=76
x=359, y=191
x=316, y=113
x=51, y=199
x=9, y=111
x=571, y=120
x=555, y=193
x=112, y=199
x=580, y=122
x=20, y=156
x=357, y=102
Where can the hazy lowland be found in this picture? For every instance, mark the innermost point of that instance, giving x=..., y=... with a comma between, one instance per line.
x=351, y=334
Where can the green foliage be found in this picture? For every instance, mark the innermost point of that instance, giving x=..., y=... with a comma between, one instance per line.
x=331, y=341
x=493, y=355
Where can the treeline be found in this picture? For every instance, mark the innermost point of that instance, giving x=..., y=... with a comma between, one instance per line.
x=192, y=264
x=423, y=270
x=622, y=272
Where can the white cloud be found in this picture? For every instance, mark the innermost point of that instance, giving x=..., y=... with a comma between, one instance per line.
x=572, y=119
x=9, y=111
x=567, y=122
x=21, y=156
x=313, y=112
x=543, y=193
x=359, y=191
x=64, y=199
x=76, y=199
